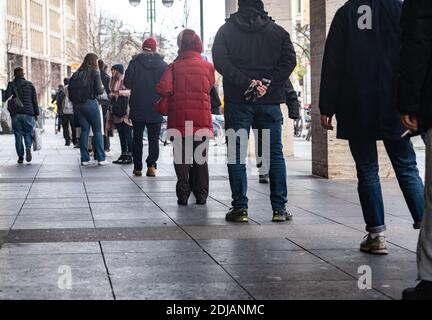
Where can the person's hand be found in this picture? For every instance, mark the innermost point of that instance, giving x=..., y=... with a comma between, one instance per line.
x=326, y=123
x=410, y=122
x=262, y=89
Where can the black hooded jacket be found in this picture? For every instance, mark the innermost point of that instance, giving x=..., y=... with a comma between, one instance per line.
x=415, y=81
x=26, y=93
x=251, y=46
x=142, y=76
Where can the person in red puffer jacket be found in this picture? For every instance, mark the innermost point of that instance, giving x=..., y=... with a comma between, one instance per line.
x=185, y=90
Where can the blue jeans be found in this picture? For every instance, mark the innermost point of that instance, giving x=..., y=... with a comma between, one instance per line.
x=90, y=115
x=403, y=159
x=23, y=125
x=259, y=117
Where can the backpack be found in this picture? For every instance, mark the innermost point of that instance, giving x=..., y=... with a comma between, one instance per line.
x=15, y=105
x=67, y=106
x=78, y=87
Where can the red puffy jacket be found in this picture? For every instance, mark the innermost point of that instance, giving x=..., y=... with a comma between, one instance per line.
x=187, y=84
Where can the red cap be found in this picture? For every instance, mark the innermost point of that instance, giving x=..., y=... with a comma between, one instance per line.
x=189, y=40
x=150, y=44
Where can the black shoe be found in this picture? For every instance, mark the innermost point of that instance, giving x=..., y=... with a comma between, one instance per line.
x=182, y=202
x=237, y=215
x=76, y=146
x=127, y=160
x=264, y=179
x=120, y=160
x=201, y=202
x=67, y=144
x=282, y=215
x=20, y=160
x=28, y=155
x=417, y=225
x=422, y=292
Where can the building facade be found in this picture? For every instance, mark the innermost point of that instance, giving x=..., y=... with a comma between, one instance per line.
x=48, y=38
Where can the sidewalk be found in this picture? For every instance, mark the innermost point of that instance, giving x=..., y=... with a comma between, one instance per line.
x=125, y=238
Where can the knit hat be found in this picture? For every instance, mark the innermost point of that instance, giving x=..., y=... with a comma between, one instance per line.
x=256, y=4
x=150, y=44
x=189, y=40
x=119, y=68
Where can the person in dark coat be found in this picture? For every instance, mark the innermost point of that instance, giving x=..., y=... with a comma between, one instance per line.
x=415, y=106
x=104, y=101
x=358, y=86
x=24, y=121
x=58, y=99
x=67, y=117
x=249, y=48
x=142, y=76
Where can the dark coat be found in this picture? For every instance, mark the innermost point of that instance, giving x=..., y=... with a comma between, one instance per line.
x=250, y=46
x=187, y=84
x=58, y=99
x=360, y=69
x=142, y=76
x=27, y=95
x=292, y=101
x=415, y=81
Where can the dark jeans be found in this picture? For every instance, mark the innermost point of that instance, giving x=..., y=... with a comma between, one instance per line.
x=260, y=117
x=68, y=125
x=192, y=175
x=403, y=159
x=89, y=115
x=22, y=126
x=154, y=130
x=125, y=135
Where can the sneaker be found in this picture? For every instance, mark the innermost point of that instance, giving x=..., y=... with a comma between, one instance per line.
x=282, y=215
x=76, y=146
x=20, y=160
x=374, y=246
x=137, y=173
x=182, y=202
x=264, y=179
x=151, y=172
x=417, y=225
x=87, y=163
x=103, y=163
x=28, y=155
x=67, y=144
x=127, y=160
x=120, y=160
x=423, y=291
x=201, y=202
x=237, y=215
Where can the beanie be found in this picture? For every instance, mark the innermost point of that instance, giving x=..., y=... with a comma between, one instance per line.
x=119, y=68
x=189, y=40
x=150, y=44
x=257, y=4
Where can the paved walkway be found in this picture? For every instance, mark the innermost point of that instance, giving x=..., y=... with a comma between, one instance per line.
x=121, y=237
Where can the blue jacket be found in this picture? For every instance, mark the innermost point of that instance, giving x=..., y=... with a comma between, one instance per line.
x=360, y=70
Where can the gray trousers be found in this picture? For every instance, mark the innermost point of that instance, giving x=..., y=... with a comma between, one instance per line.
x=424, y=251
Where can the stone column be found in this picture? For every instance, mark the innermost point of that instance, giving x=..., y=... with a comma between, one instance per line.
x=331, y=157
x=3, y=46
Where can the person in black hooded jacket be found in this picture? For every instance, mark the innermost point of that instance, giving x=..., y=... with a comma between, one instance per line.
x=23, y=122
x=249, y=48
x=142, y=76
x=414, y=103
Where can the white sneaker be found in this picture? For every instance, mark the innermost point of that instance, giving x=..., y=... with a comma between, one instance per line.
x=87, y=163
x=103, y=163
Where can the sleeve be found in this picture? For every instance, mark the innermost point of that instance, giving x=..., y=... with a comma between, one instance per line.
x=332, y=67
x=8, y=93
x=286, y=64
x=129, y=75
x=124, y=92
x=35, y=101
x=416, y=53
x=224, y=65
x=98, y=86
x=165, y=87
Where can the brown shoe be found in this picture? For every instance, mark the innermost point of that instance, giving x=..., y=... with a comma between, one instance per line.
x=137, y=173
x=151, y=172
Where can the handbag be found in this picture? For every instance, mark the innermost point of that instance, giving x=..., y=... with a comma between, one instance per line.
x=119, y=106
x=37, y=140
x=15, y=104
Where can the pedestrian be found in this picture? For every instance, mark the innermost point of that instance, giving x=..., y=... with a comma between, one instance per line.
x=58, y=99
x=84, y=88
x=119, y=97
x=250, y=50
x=186, y=87
x=414, y=104
x=104, y=102
x=363, y=99
x=24, y=111
x=67, y=116
x=142, y=76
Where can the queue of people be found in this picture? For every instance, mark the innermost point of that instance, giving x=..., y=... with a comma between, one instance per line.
x=362, y=66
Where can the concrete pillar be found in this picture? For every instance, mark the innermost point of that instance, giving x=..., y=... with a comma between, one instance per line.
x=3, y=46
x=331, y=157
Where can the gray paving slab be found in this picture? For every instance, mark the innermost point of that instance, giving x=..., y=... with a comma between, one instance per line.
x=150, y=246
